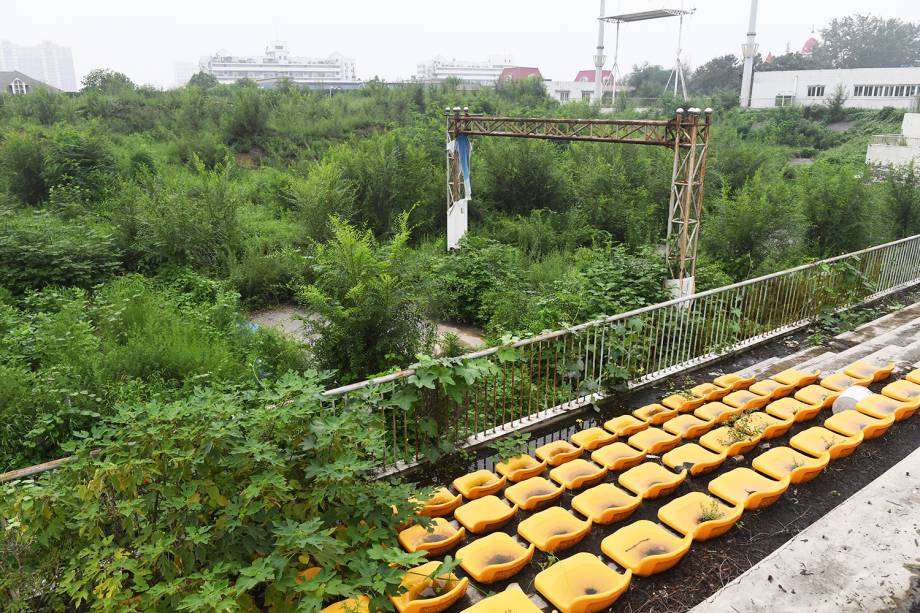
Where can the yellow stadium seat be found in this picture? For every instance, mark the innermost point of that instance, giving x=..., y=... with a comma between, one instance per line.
x=654, y=414
x=780, y=462
x=520, y=467
x=730, y=440
x=696, y=459
x=581, y=584
x=817, y=440
x=484, y=514
x=710, y=392
x=734, y=381
x=478, y=484
x=442, y=537
x=494, y=557
x=796, y=378
x=771, y=388
x=624, y=425
x=533, y=492
x=424, y=594
x=592, y=438
x=880, y=406
x=683, y=403
x=553, y=529
x=577, y=474
x=902, y=390
x=700, y=516
x=863, y=369
x=618, y=456
x=359, y=604
x=512, y=600
x=606, y=503
x=688, y=426
x=717, y=412
x=849, y=422
x=815, y=395
x=746, y=400
x=442, y=502
x=840, y=381
x=650, y=480
x=646, y=548
x=743, y=486
x=558, y=452
x=654, y=440
x=769, y=426
x=793, y=408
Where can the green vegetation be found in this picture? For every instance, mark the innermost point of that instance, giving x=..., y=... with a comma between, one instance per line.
x=139, y=227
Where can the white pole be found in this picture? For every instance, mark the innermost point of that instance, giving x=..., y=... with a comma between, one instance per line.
x=614, y=71
x=599, y=58
x=748, y=51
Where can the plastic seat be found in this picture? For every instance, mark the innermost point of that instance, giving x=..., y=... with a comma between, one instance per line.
x=902, y=390
x=771, y=388
x=863, y=369
x=654, y=440
x=520, y=467
x=730, y=440
x=606, y=503
x=699, y=459
x=577, y=474
x=442, y=502
x=581, y=584
x=717, y=412
x=795, y=409
x=780, y=462
x=646, y=548
x=815, y=395
x=745, y=487
x=533, y=492
x=710, y=392
x=654, y=414
x=650, y=480
x=359, y=604
x=688, y=426
x=425, y=594
x=769, y=426
x=746, y=400
x=880, y=406
x=478, y=484
x=817, y=440
x=850, y=422
x=913, y=376
x=734, y=381
x=592, y=438
x=699, y=516
x=840, y=381
x=624, y=425
x=443, y=537
x=796, y=378
x=512, y=600
x=558, y=452
x=618, y=456
x=553, y=529
x=682, y=403
x=494, y=557
x=485, y=514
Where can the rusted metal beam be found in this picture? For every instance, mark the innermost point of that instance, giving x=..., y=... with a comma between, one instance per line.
x=627, y=131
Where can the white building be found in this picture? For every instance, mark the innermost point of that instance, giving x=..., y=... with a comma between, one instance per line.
x=183, y=72
x=888, y=150
x=864, y=88
x=481, y=73
x=46, y=62
x=277, y=64
x=581, y=89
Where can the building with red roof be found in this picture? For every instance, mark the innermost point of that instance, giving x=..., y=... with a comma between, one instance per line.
x=513, y=73
x=809, y=47
x=587, y=76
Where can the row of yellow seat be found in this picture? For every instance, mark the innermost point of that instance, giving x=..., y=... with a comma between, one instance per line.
x=582, y=581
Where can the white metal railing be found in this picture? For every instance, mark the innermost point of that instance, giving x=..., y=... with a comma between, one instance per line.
x=897, y=140
x=565, y=369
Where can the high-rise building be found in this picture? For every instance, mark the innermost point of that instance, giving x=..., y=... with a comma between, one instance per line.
x=47, y=62
x=278, y=63
x=481, y=73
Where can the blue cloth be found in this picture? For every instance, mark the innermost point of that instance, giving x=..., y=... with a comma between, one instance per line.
x=463, y=150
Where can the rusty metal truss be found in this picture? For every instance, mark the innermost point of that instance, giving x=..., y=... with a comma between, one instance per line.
x=687, y=134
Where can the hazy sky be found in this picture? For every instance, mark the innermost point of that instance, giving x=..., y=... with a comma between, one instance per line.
x=388, y=39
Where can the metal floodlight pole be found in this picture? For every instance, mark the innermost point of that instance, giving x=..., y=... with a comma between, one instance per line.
x=599, y=57
x=615, y=69
x=749, y=51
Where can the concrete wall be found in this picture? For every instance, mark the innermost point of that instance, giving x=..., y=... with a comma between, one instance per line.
x=892, y=155
x=576, y=89
x=910, y=127
x=768, y=85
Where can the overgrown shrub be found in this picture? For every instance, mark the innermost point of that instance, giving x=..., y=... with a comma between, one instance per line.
x=22, y=157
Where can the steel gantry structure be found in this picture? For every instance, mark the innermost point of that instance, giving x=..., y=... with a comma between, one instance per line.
x=687, y=134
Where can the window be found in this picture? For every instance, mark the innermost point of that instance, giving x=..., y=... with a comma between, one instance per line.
x=586, y=96
x=18, y=86
x=784, y=99
x=815, y=91
x=563, y=95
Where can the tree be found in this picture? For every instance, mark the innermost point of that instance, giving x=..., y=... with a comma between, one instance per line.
x=791, y=61
x=204, y=80
x=719, y=73
x=864, y=41
x=903, y=201
x=648, y=80
x=107, y=81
